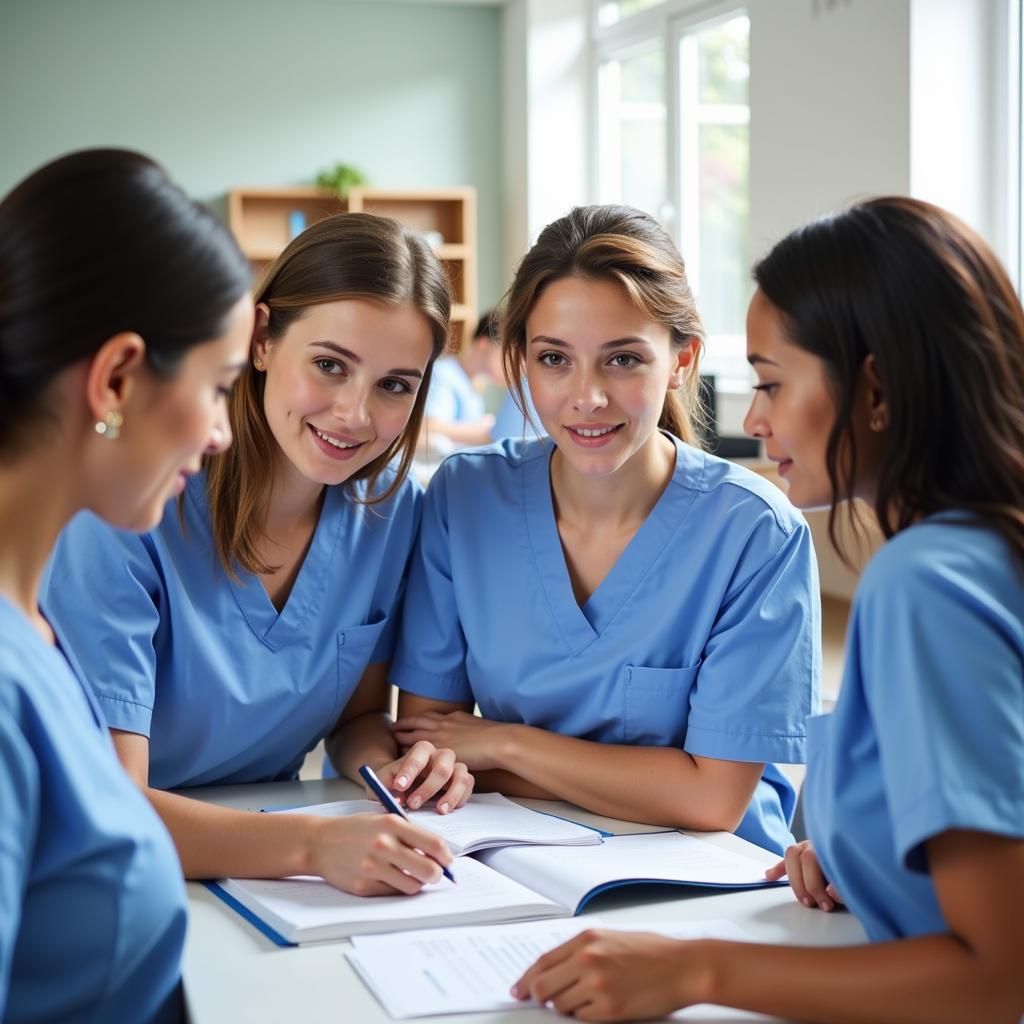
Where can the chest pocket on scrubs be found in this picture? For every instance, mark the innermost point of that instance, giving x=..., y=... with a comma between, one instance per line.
x=355, y=647
x=657, y=705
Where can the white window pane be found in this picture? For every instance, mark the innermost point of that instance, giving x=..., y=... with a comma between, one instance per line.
x=632, y=164
x=611, y=11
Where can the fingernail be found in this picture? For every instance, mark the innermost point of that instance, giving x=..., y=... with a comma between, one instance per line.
x=401, y=782
x=825, y=905
x=807, y=901
x=414, y=801
x=515, y=991
x=443, y=808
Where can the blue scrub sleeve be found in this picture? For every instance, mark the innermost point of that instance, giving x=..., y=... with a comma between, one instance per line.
x=759, y=674
x=943, y=681
x=103, y=592
x=19, y=798
x=430, y=659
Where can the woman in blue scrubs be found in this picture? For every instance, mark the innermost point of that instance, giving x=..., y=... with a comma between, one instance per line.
x=258, y=618
x=638, y=621
x=124, y=315
x=889, y=349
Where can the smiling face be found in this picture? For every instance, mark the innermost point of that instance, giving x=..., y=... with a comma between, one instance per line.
x=793, y=409
x=598, y=369
x=341, y=383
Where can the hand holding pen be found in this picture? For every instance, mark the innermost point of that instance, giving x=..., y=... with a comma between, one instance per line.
x=391, y=805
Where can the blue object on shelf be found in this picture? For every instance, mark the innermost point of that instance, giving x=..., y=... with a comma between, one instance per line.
x=296, y=223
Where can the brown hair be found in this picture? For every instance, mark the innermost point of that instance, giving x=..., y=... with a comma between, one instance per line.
x=347, y=256
x=620, y=244
x=912, y=285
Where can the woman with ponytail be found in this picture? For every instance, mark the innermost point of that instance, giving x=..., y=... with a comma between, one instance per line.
x=636, y=619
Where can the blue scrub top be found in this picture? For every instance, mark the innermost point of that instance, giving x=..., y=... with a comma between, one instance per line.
x=928, y=732
x=227, y=689
x=452, y=397
x=92, y=904
x=704, y=635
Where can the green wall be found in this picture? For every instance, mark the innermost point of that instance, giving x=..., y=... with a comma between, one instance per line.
x=253, y=92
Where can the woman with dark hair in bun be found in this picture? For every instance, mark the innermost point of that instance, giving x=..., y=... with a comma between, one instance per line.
x=124, y=320
x=889, y=349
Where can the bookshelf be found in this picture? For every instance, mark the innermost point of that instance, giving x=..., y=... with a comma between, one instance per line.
x=264, y=219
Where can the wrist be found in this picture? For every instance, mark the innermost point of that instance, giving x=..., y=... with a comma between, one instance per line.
x=507, y=751
x=704, y=980
x=309, y=843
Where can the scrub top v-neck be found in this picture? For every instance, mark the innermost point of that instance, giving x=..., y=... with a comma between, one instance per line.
x=227, y=688
x=703, y=635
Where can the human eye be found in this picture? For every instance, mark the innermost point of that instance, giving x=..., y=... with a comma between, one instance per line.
x=332, y=367
x=767, y=388
x=625, y=360
x=552, y=359
x=396, y=386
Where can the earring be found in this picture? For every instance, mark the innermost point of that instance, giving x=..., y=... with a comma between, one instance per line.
x=877, y=423
x=258, y=363
x=110, y=426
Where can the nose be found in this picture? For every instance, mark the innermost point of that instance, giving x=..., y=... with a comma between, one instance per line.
x=755, y=422
x=220, y=434
x=590, y=394
x=352, y=407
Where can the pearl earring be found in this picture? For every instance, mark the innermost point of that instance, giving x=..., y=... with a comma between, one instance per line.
x=258, y=363
x=110, y=426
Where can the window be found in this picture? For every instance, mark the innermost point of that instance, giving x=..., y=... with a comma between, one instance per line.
x=611, y=11
x=673, y=138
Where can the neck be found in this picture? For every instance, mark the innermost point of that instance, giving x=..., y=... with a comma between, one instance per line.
x=36, y=501
x=294, y=502
x=620, y=498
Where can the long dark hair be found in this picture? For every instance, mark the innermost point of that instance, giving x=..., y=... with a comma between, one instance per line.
x=347, y=256
x=93, y=244
x=912, y=285
x=616, y=243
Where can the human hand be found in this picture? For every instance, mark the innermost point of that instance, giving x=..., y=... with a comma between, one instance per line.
x=435, y=770
x=376, y=854
x=806, y=878
x=474, y=739
x=612, y=975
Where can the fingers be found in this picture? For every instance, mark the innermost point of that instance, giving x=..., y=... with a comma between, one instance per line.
x=523, y=988
x=421, y=842
x=429, y=720
x=776, y=871
x=447, y=774
x=410, y=766
x=459, y=790
x=806, y=877
x=833, y=893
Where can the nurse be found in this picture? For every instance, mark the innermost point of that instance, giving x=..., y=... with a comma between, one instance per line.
x=259, y=616
x=124, y=317
x=889, y=349
x=637, y=620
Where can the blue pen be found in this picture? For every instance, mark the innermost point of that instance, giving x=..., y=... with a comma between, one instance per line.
x=391, y=805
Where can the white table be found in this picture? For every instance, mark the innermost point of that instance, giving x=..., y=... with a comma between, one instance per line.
x=234, y=973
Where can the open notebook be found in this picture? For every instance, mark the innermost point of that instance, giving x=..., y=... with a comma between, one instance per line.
x=508, y=884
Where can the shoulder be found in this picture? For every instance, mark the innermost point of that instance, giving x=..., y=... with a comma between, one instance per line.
x=504, y=459
x=404, y=503
x=734, y=493
x=950, y=555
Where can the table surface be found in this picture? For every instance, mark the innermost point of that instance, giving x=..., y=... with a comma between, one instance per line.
x=234, y=973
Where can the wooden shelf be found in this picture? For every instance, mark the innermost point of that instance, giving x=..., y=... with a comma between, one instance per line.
x=265, y=219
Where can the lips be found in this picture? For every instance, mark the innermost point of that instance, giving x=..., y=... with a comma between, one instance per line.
x=335, y=446
x=592, y=435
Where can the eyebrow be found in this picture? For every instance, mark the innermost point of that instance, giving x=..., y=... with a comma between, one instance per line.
x=542, y=339
x=754, y=359
x=400, y=371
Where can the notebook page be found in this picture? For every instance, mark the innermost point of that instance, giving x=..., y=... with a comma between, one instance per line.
x=470, y=970
x=306, y=909
x=488, y=819
x=568, y=875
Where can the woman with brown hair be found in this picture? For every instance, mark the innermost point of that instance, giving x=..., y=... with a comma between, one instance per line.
x=637, y=620
x=889, y=350
x=259, y=617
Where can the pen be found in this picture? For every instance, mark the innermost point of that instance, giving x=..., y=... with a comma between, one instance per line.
x=391, y=805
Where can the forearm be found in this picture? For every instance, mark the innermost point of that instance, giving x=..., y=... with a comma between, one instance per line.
x=654, y=785
x=214, y=841
x=366, y=739
x=510, y=784
x=931, y=979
